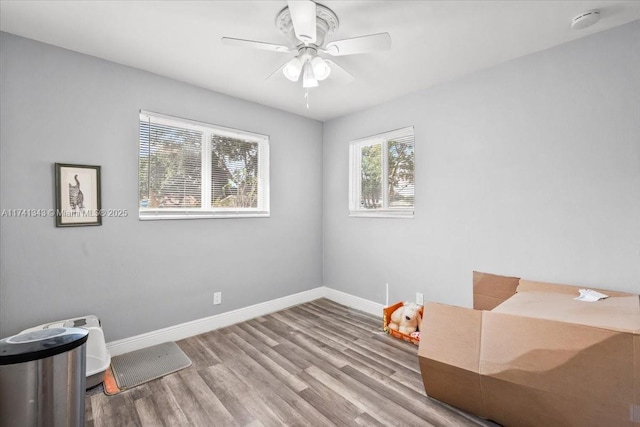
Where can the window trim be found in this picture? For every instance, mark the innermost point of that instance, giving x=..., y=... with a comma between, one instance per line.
x=355, y=177
x=263, y=211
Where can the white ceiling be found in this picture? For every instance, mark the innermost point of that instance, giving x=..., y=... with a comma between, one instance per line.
x=433, y=41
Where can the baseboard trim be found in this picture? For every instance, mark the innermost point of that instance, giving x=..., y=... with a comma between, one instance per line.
x=353, y=301
x=199, y=326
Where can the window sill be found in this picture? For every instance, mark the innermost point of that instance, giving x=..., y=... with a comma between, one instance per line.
x=382, y=214
x=150, y=215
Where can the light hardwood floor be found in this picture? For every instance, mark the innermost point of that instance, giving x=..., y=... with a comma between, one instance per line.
x=316, y=364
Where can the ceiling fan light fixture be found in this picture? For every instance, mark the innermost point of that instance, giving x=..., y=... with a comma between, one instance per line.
x=293, y=69
x=308, y=25
x=308, y=78
x=321, y=69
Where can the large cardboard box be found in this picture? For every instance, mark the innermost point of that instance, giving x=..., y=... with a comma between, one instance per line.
x=564, y=363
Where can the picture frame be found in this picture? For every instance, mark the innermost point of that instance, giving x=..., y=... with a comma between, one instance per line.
x=78, y=200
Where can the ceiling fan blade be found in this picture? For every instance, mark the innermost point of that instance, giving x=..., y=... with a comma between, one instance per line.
x=303, y=17
x=256, y=45
x=381, y=41
x=339, y=73
x=278, y=70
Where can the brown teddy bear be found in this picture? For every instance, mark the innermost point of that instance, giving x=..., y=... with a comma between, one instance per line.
x=406, y=319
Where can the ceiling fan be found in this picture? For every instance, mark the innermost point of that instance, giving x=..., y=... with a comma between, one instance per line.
x=307, y=25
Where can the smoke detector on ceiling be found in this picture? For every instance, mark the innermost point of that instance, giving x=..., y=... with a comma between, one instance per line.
x=585, y=19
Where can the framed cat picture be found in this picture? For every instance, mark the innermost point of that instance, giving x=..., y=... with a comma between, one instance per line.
x=77, y=195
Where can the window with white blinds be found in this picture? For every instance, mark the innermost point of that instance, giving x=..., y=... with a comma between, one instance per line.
x=189, y=169
x=381, y=175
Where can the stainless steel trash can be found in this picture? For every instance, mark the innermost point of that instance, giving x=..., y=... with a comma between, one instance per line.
x=42, y=378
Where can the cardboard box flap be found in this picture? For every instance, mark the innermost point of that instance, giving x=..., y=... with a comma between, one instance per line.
x=451, y=334
x=489, y=290
x=616, y=313
x=532, y=286
x=449, y=355
x=457, y=387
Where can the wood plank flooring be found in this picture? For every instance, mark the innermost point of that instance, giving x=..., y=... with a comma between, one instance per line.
x=316, y=364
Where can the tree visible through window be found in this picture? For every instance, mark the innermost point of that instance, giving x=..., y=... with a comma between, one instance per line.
x=400, y=182
x=170, y=166
x=234, y=173
x=189, y=169
x=382, y=175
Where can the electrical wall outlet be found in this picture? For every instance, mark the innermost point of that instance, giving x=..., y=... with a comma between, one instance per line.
x=217, y=298
x=419, y=298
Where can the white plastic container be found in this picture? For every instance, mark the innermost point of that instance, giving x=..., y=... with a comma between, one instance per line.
x=98, y=358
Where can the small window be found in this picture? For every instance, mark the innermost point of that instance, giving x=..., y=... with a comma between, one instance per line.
x=381, y=179
x=190, y=169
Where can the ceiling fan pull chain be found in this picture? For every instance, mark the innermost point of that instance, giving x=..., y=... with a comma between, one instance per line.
x=306, y=97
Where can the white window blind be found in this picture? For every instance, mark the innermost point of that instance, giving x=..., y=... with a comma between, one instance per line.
x=381, y=175
x=189, y=169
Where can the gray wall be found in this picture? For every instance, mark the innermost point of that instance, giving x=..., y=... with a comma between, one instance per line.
x=61, y=106
x=530, y=168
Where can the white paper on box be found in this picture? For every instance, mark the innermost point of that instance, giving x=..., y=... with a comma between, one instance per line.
x=590, y=295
